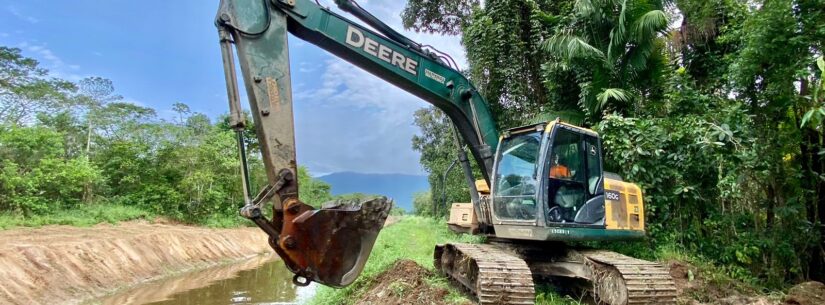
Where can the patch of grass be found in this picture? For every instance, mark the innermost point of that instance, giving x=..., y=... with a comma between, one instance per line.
x=82, y=216
x=226, y=221
x=411, y=238
x=717, y=275
x=545, y=295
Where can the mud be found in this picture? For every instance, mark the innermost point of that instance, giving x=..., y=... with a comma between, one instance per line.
x=65, y=265
x=404, y=283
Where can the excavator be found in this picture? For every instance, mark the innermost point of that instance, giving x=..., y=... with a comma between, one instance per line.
x=542, y=188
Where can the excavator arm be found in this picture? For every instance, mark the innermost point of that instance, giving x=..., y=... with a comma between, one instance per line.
x=329, y=245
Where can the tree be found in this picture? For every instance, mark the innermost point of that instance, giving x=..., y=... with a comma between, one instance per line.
x=312, y=191
x=439, y=17
x=95, y=93
x=617, y=56
x=182, y=110
x=438, y=150
x=26, y=89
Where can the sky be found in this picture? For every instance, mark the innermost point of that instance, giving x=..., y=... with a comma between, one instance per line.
x=160, y=52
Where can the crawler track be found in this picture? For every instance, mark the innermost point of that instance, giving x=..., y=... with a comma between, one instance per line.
x=620, y=279
x=494, y=275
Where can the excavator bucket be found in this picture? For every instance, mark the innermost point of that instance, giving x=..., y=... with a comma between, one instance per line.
x=328, y=245
x=331, y=245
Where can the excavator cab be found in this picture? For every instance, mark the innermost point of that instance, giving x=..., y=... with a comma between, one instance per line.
x=550, y=176
x=548, y=183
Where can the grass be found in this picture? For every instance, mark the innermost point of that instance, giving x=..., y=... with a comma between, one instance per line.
x=83, y=216
x=545, y=295
x=414, y=238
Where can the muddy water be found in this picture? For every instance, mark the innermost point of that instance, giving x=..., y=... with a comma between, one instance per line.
x=261, y=280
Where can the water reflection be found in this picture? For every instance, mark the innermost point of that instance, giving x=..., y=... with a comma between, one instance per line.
x=261, y=280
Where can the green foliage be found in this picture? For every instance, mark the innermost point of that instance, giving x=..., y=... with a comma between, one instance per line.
x=617, y=58
x=442, y=17
x=89, y=148
x=82, y=216
x=313, y=191
x=25, y=89
x=438, y=152
x=547, y=296
x=35, y=177
x=423, y=204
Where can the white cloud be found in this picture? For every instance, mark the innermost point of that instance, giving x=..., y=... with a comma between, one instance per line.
x=305, y=67
x=17, y=13
x=57, y=67
x=354, y=121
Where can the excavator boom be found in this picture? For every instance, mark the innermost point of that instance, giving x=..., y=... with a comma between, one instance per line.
x=329, y=245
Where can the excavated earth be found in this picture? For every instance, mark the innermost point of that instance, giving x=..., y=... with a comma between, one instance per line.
x=65, y=265
x=404, y=283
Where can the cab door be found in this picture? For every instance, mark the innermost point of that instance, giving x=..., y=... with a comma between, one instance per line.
x=575, y=183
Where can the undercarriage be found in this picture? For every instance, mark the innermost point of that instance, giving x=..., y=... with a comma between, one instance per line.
x=505, y=273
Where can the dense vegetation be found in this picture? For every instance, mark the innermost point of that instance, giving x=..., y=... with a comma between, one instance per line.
x=75, y=153
x=714, y=107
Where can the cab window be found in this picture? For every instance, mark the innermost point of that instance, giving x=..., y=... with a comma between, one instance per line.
x=514, y=196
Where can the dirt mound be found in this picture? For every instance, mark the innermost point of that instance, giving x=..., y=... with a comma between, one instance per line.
x=64, y=265
x=807, y=293
x=694, y=289
x=404, y=283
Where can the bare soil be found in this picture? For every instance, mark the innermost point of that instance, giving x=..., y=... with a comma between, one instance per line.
x=404, y=283
x=807, y=293
x=694, y=289
x=65, y=265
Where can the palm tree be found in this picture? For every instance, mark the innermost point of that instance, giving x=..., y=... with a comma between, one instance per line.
x=615, y=49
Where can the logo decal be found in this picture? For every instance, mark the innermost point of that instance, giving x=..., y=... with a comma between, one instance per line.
x=434, y=76
x=611, y=195
x=357, y=39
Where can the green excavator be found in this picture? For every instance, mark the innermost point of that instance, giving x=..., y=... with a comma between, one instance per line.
x=542, y=186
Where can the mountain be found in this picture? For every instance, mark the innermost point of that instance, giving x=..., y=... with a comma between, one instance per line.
x=399, y=187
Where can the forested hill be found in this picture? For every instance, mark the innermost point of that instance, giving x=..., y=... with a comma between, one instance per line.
x=399, y=187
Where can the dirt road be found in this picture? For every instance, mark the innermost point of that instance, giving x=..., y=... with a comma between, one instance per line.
x=64, y=265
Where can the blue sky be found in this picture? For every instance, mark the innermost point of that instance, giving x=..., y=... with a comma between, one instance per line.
x=161, y=52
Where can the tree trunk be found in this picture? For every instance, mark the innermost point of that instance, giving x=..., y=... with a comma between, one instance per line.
x=815, y=140
x=770, y=213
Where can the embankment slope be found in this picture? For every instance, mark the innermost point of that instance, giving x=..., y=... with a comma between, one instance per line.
x=64, y=265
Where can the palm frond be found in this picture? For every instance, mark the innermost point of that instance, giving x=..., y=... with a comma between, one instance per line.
x=648, y=25
x=585, y=8
x=637, y=56
x=571, y=47
x=617, y=34
x=617, y=94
